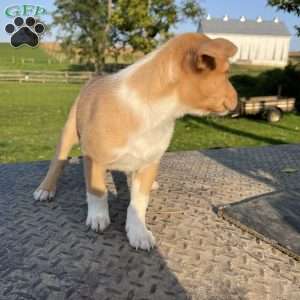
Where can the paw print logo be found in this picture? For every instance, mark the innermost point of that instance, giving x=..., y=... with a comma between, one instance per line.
x=27, y=33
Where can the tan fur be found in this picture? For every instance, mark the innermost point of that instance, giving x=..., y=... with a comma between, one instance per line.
x=146, y=177
x=67, y=140
x=106, y=124
x=161, y=75
x=126, y=121
x=94, y=173
x=167, y=70
x=112, y=123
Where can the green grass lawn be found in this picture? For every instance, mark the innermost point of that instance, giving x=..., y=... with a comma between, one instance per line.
x=212, y=132
x=21, y=59
x=32, y=115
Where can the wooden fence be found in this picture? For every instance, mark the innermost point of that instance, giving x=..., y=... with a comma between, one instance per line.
x=45, y=76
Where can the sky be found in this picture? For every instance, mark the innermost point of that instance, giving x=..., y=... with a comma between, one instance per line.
x=216, y=8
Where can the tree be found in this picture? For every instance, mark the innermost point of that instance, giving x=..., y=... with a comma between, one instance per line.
x=84, y=29
x=143, y=24
x=136, y=23
x=92, y=27
x=290, y=6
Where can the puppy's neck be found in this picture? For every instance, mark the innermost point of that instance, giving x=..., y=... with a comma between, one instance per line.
x=149, y=87
x=154, y=76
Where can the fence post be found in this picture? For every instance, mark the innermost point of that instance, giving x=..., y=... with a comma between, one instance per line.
x=66, y=76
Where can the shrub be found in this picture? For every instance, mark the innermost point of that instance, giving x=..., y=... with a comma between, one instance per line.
x=268, y=83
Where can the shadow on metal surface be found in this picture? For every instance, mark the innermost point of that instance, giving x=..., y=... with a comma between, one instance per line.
x=47, y=250
x=278, y=216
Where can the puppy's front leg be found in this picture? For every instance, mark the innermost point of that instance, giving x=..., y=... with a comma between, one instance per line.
x=138, y=234
x=98, y=213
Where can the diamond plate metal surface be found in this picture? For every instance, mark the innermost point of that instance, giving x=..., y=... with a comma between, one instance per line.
x=47, y=252
x=273, y=217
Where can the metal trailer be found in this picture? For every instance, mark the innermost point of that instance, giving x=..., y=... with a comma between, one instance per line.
x=270, y=108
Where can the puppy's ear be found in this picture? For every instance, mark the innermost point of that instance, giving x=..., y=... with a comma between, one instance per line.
x=218, y=48
x=196, y=61
x=204, y=56
x=204, y=62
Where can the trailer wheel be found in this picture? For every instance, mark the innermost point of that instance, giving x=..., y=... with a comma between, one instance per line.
x=273, y=114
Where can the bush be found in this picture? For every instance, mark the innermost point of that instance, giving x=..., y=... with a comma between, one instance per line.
x=244, y=85
x=268, y=83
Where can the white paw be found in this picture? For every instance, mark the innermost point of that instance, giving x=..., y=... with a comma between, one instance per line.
x=140, y=238
x=43, y=195
x=155, y=186
x=138, y=235
x=98, y=214
x=97, y=222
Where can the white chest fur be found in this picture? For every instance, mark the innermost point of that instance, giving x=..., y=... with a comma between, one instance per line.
x=144, y=148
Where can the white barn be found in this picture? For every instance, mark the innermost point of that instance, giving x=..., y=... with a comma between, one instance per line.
x=260, y=42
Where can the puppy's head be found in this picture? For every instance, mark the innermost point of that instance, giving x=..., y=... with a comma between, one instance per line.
x=205, y=87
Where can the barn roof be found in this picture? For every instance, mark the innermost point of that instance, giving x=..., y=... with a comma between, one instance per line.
x=235, y=26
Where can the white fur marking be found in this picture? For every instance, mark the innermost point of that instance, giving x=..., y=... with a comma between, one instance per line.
x=145, y=59
x=43, y=195
x=98, y=214
x=153, y=137
x=143, y=148
x=152, y=113
x=138, y=234
x=155, y=186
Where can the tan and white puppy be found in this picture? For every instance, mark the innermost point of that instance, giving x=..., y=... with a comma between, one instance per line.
x=125, y=122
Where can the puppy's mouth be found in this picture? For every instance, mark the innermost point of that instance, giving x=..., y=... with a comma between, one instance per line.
x=222, y=114
x=198, y=113
x=202, y=113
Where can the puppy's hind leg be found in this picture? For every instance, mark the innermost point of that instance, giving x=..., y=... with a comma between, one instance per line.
x=98, y=214
x=69, y=137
